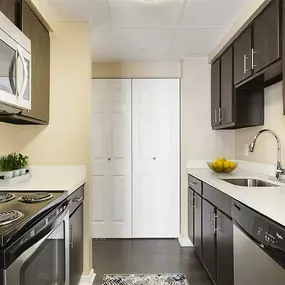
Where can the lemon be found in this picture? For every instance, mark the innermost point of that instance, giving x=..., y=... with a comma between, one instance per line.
x=220, y=166
x=224, y=159
x=232, y=164
x=227, y=165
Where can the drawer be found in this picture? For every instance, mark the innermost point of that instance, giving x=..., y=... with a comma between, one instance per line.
x=195, y=184
x=219, y=199
x=76, y=199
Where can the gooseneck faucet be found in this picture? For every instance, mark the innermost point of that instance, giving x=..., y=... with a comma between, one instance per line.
x=279, y=171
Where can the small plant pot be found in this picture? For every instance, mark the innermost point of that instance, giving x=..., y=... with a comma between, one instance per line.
x=16, y=173
x=23, y=171
x=7, y=174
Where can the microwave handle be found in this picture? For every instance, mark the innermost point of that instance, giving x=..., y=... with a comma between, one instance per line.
x=26, y=74
x=11, y=70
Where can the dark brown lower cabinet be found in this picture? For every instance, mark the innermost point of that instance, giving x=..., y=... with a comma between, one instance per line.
x=209, y=239
x=191, y=218
x=76, y=245
x=198, y=224
x=225, y=265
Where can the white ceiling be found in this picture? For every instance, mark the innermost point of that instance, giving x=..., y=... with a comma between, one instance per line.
x=150, y=30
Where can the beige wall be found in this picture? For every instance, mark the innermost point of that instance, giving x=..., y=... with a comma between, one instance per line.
x=65, y=141
x=198, y=140
x=137, y=69
x=266, y=148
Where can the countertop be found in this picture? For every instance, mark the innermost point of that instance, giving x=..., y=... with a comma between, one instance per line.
x=52, y=178
x=269, y=201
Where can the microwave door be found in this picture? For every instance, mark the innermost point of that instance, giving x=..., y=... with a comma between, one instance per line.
x=23, y=78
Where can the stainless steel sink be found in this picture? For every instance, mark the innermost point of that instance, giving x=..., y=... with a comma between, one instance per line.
x=247, y=182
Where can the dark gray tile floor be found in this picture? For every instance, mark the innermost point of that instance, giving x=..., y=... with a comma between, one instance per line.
x=147, y=256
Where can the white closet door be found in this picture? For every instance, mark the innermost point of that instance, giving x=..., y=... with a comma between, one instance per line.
x=155, y=158
x=111, y=152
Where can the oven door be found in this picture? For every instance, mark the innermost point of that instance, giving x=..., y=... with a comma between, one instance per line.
x=47, y=261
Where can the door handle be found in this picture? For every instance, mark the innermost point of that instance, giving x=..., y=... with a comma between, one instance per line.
x=25, y=70
x=245, y=58
x=216, y=217
x=78, y=200
x=216, y=116
x=11, y=70
x=252, y=59
x=70, y=236
x=220, y=115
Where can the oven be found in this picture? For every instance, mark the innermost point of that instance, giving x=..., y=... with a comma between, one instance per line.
x=41, y=254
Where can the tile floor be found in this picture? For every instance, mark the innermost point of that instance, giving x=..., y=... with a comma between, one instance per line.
x=147, y=256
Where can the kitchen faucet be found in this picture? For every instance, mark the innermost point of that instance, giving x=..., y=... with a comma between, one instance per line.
x=279, y=171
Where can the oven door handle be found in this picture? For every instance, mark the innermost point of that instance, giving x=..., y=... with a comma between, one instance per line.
x=15, y=267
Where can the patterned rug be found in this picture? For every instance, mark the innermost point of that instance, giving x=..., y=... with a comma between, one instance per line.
x=145, y=279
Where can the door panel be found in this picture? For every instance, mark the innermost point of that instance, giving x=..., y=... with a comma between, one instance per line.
x=155, y=158
x=209, y=239
x=267, y=37
x=111, y=155
x=215, y=92
x=191, y=215
x=242, y=56
x=198, y=224
x=225, y=265
x=227, y=90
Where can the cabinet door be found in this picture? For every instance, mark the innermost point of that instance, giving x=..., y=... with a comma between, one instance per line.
x=227, y=88
x=11, y=9
x=209, y=239
x=225, y=273
x=215, y=92
x=198, y=224
x=40, y=43
x=267, y=37
x=242, y=56
x=76, y=246
x=191, y=215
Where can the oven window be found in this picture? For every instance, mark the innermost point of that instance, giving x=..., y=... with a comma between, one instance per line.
x=47, y=265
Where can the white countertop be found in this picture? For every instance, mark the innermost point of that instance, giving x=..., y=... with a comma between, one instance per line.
x=52, y=178
x=269, y=201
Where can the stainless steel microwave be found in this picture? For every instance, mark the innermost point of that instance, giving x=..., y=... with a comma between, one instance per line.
x=15, y=68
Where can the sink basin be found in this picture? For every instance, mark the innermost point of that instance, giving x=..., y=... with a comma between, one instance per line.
x=246, y=182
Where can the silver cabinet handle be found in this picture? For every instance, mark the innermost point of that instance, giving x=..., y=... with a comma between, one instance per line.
x=216, y=116
x=216, y=217
x=193, y=202
x=78, y=200
x=245, y=58
x=252, y=59
x=70, y=236
x=190, y=183
x=220, y=115
x=26, y=74
x=11, y=70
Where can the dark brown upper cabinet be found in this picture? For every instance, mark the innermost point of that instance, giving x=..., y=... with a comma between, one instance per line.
x=12, y=10
x=227, y=88
x=40, y=40
x=266, y=37
x=242, y=56
x=215, y=92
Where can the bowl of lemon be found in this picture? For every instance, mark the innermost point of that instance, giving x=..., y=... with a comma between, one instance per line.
x=222, y=165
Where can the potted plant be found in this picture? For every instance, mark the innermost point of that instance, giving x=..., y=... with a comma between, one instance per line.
x=23, y=163
x=6, y=166
x=14, y=157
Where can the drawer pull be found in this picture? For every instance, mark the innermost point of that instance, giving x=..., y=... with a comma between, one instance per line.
x=193, y=183
x=77, y=200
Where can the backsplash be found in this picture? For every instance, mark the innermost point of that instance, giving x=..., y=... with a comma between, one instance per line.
x=266, y=147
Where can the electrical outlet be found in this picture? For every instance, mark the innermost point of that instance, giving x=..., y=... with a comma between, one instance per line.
x=246, y=149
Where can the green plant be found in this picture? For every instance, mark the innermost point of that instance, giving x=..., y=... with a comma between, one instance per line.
x=22, y=160
x=6, y=163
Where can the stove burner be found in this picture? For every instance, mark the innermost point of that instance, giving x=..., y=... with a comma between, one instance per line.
x=36, y=197
x=9, y=217
x=5, y=197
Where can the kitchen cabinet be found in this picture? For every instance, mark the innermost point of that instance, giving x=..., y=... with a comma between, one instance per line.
x=209, y=239
x=225, y=263
x=242, y=56
x=76, y=236
x=198, y=224
x=227, y=87
x=191, y=217
x=215, y=92
x=11, y=9
x=266, y=37
x=40, y=41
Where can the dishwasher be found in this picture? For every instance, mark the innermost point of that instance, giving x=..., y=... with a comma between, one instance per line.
x=259, y=248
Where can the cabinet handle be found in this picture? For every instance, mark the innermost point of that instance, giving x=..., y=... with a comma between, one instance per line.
x=252, y=59
x=193, y=202
x=245, y=58
x=70, y=236
x=192, y=183
x=216, y=116
x=216, y=217
x=78, y=200
x=220, y=115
